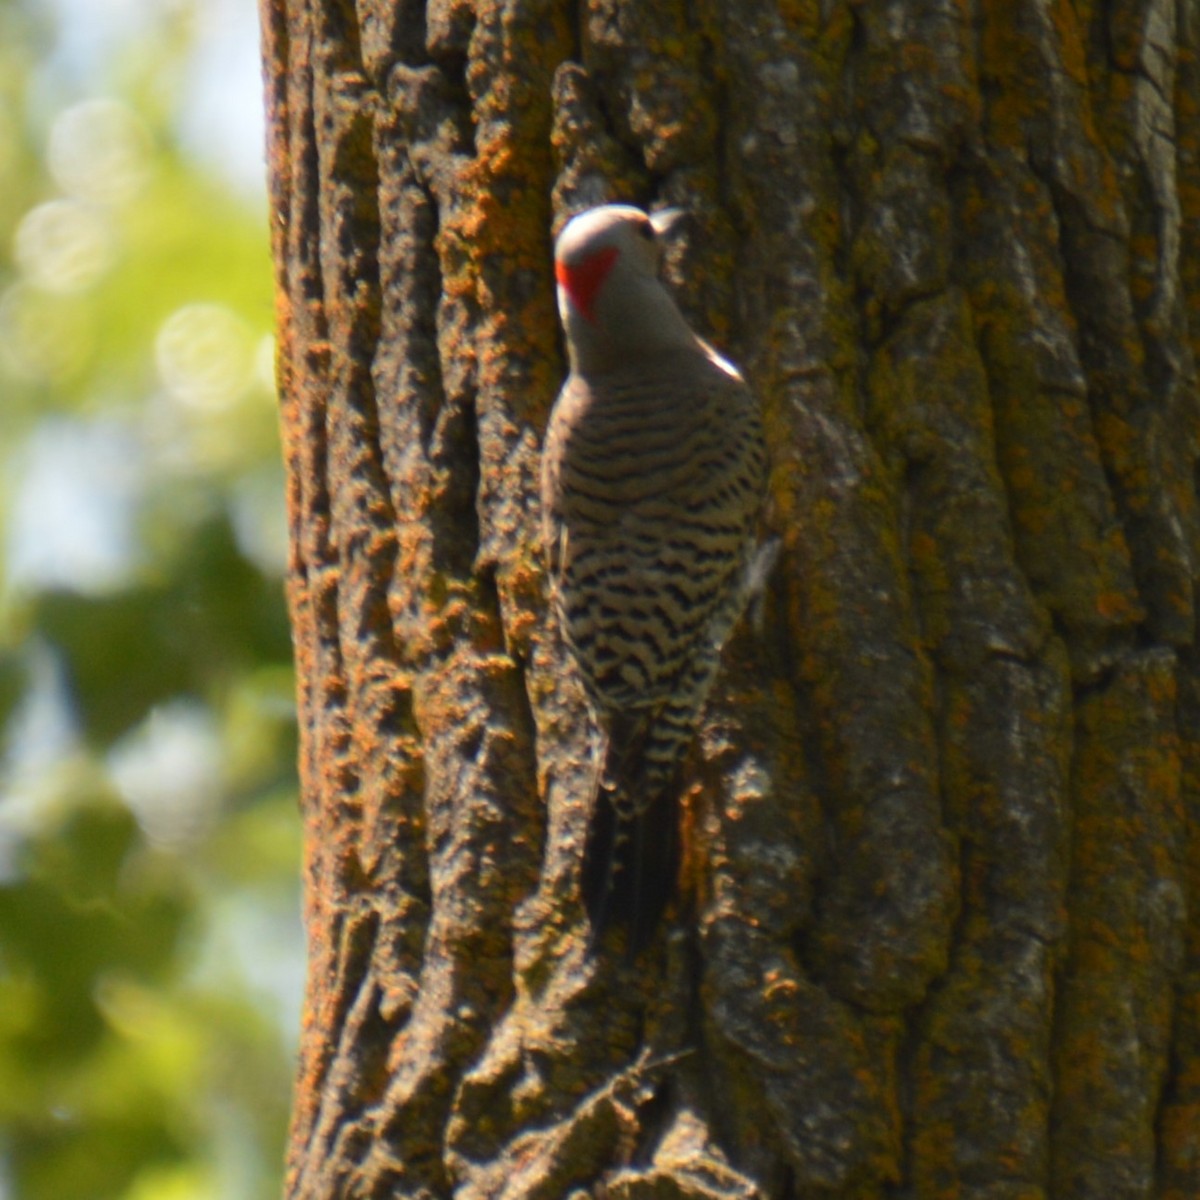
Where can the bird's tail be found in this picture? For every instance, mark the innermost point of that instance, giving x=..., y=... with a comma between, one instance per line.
x=631, y=856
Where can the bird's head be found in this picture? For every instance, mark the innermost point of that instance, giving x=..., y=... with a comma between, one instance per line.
x=610, y=298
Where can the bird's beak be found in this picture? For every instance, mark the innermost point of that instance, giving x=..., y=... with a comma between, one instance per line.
x=667, y=219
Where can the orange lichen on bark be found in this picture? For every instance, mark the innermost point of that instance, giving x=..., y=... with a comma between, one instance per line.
x=1187, y=134
x=1127, y=907
x=918, y=270
x=1005, y=48
x=501, y=228
x=1068, y=540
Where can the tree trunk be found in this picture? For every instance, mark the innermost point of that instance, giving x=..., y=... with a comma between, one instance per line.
x=937, y=931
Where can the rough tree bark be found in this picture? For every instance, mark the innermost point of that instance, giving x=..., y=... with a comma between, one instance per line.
x=940, y=934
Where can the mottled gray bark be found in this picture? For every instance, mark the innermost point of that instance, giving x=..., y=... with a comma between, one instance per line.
x=938, y=933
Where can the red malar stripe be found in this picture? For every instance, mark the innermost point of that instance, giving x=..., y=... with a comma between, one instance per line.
x=583, y=280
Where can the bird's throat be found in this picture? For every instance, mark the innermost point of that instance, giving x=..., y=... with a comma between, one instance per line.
x=582, y=280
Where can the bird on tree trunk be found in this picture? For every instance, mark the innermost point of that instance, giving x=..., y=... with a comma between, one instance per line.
x=653, y=476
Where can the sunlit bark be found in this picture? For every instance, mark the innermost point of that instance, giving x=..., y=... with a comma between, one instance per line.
x=938, y=930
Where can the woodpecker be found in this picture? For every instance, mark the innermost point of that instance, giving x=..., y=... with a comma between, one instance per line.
x=653, y=475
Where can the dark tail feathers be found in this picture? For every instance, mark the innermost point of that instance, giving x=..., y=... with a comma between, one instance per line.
x=630, y=866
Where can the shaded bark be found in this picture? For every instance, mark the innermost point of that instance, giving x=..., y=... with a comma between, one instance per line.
x=938, y=934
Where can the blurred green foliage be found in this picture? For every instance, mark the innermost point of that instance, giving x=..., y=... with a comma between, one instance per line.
x=150, y=946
